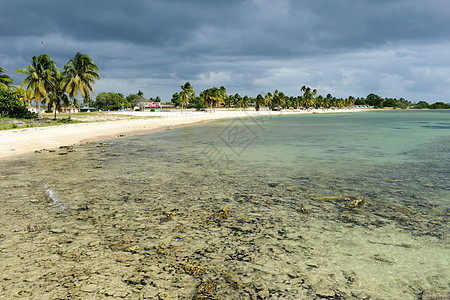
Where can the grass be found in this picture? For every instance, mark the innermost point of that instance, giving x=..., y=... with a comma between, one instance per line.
x=63, y=118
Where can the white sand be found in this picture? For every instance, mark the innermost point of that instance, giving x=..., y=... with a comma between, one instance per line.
x=21, y=141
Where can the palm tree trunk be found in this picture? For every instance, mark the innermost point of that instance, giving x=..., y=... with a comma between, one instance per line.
x=70, y=110
x=38, y=108
x=55, y=113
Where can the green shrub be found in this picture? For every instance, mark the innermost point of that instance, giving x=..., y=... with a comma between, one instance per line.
x=11, y=106
x=64, y=120
x=152, y=109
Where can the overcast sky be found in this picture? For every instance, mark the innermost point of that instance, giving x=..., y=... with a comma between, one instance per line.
x=394, y=48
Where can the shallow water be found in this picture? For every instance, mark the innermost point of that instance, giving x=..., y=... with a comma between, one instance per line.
x=344, y=206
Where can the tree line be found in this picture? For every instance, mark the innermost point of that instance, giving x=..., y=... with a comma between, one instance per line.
x=46, y=84
x=218, y=97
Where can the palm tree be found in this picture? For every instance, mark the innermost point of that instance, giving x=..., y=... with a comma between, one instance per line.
x=212, y=97
x=40, y=75
x=187, y=92
x=5, y=80
x=259, y=101
x=350, y=101
x=308, y=97
x=268, y=99
x=79, y=73
x=58, y=95
x=237, y=99
x=228, y=101
x=245, y=101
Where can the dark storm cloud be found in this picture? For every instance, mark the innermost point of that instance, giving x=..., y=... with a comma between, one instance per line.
x=348, y=47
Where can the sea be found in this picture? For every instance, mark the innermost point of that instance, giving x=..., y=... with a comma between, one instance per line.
x=334, y=206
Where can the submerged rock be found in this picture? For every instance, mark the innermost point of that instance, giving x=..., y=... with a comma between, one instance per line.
x=356, y=202
x=120, y=246
x=323, y=291
x=262, y=291
x=194, y=270
x=90, y=288
x=135, y=279
x=206, y=290
x=234, y=280
x=221, y=214
x=167, y=296
x=435, y=295
x=31, y=228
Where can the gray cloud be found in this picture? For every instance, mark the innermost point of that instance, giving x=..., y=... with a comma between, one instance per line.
x=395, y=48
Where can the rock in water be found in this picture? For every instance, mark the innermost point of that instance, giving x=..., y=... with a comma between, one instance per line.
x=435, y=295
x=234, y=280
x=221, y=214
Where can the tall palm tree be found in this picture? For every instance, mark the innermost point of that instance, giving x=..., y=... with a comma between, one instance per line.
x=79, y=73
x=40, y=74
x=187, y=92
x=259, y=101
x=58, y=95
x=308, y=99
x=5, y=80
x=268, y=99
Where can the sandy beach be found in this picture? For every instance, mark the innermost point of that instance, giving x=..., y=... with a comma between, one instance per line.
x=27, y=140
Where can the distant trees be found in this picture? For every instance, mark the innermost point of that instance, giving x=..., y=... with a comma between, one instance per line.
x=136, y=99
x=197, y=102
x=176, y=99
x=186, y=94
x=213, y=97
x=111, y=101
x=259, y=102
x=439, y=105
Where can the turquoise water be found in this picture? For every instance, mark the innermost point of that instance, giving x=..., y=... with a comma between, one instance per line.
x=348, y=205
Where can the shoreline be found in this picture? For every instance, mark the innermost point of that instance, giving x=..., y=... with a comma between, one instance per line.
x=17, y=142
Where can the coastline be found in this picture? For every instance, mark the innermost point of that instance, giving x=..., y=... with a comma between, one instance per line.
x=27, y=140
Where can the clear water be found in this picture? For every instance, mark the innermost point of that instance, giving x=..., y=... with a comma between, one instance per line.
x=350, y=206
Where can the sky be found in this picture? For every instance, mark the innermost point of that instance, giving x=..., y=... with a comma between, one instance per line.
x=393, y=48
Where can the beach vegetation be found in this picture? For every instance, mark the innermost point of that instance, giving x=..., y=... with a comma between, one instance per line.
x=421, y=105
x=111, y=101
x=213, y=97
x=245, y=102
x=58, y=98
x=197, y=103
x=5, y=80
x=11, y=105
x=439, y=105
x=259, y=102
x=136, y=100
x=40, y=74
x=176, y=99
x=237, y=99
x=79, y=75
x=186, y=94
